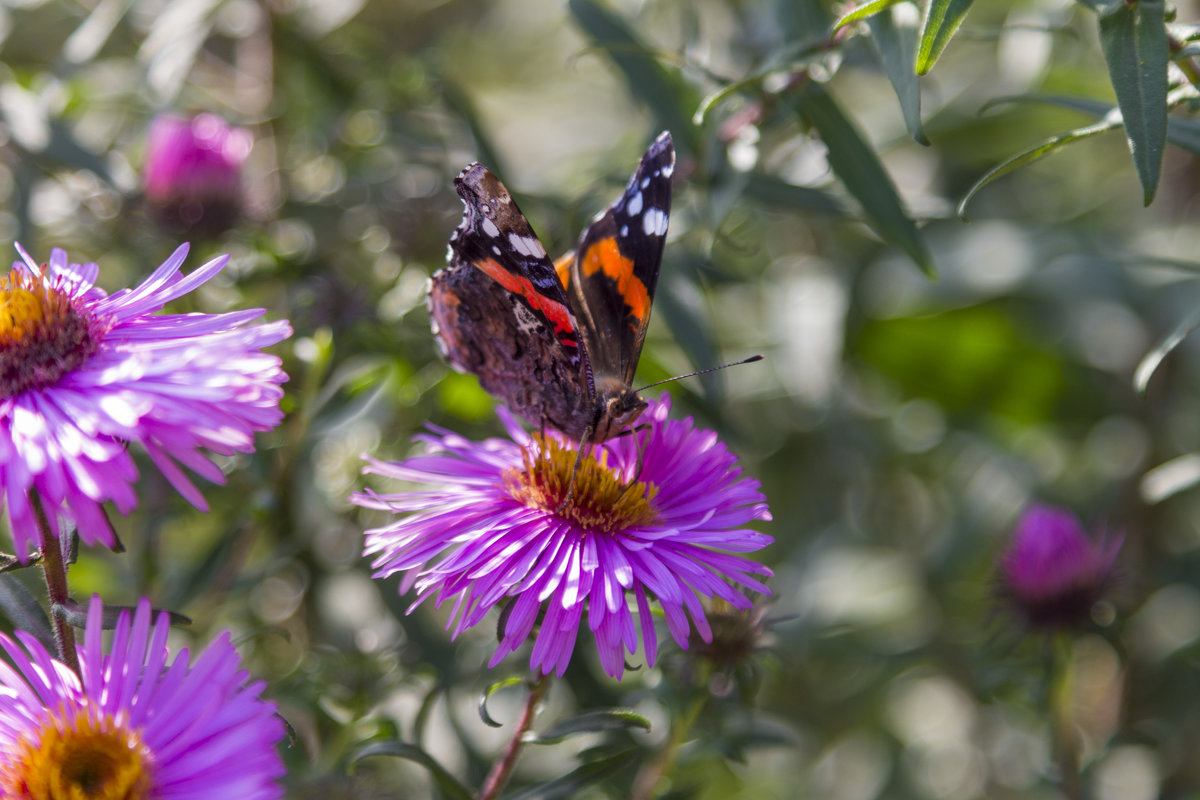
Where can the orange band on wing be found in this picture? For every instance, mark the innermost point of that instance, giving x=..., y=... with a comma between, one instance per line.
x=562, y=265
x=605, y=256
x=553, y=310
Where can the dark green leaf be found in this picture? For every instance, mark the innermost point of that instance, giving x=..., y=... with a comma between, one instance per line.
x=662, y=92
x=591, y=722
x=12, y=563
x=572, y=783
x=774, y=191
x=24, y=611
x=1134, y=38
x=856, y=164
x=1149, y=363
x=1033, y=154
x=896, y=45
x=76, y=615
x=941, y=21
x=445, y=782
x=483, y=712
x=862, y=12
x=1184, y=132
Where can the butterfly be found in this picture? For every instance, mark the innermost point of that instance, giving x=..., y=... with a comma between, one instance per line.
x=558, y=342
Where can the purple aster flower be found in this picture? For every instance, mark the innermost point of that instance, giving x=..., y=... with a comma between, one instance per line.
x=83, y=373
x=515, y=522
x=1052, y=572
x=134, y=724
x=193, y=169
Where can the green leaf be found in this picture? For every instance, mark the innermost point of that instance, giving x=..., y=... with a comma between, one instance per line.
x=775, y=191
x=1045, y=148
x=1134, y=38
x=1184, y=132
x=445, y=782
x=856, y=164
x=571, y=784
x=896, y=45
x=941, y=21
x=862, y=12
x=483, y=712
x=664, y=93
x=590, y=722
x=1148, y=364
x=24, y=611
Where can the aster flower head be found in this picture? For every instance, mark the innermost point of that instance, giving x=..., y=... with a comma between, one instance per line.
x=84, y=373
x=514, y=522
x=134, y=724
x=192, y=171
x=1053, y=572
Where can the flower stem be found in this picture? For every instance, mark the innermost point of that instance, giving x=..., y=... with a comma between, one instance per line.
x=503, y=768
x=54, y=568
x=1059, y=693
x=651, y=775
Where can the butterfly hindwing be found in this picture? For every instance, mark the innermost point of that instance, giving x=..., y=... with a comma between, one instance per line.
x=615, y=269
x=499, y=310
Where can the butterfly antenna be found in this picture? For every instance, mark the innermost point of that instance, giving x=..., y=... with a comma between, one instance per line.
x=749, y=360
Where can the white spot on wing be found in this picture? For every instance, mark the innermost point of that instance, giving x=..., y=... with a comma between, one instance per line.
x=495, y=250
x=667, y=171
x=624, y=231
x=645, y=181
x=527, y=246
x=490, y=228
x=635, y=205
x=654, y=223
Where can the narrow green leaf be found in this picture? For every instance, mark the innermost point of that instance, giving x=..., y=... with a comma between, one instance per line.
x=1134, y=38
x=445, y=782
x=896, y=44
x=853, y=161
x=862, y=12
x=483, y=712
x=775, y=191
x=1184, y=132
x=1148, y=364
x=941, y=21
x=24, y=611
x=664, y=93
x=571, y=784
x=1033, y=154
x=590, y=722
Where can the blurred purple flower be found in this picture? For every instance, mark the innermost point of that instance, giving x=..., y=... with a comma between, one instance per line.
x=1053, y=572
x=134, y=724
x=493, y=529
x=83, y=373
x=192, y=171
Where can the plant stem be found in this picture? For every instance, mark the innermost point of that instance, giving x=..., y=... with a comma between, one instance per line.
x=54, y=568
x=1059, y=694
x=503, y=768
x=649, y=776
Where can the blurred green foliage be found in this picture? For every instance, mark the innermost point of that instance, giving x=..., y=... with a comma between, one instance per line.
x=899, y=424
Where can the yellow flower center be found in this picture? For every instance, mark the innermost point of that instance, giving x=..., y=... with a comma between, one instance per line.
x=42, y=335
x=80, y=759
x=591, y=495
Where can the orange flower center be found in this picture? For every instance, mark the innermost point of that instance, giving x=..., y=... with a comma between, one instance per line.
x=42, y=334
x=79, y=759
x=581, y=489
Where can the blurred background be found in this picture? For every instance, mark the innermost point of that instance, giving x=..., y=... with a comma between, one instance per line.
x=899, y=424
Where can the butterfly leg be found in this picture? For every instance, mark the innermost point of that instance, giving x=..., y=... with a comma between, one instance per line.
x=584, y=441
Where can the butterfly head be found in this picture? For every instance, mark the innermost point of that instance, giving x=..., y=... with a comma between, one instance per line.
x=617, y=408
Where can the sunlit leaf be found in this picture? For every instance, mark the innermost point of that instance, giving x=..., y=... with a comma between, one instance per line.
x=1134, y=38
x=591, y=722
x=446, y=783
x=896, y=44
x=1149, y=363
x=940, y=23
x=483, y=712
x=857, y=166
x=1170, y=478
x=862, y=12
x=1045, y=148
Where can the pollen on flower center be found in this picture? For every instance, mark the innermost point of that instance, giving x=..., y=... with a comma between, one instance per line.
x=600, y=500
x=78, y=759
x=42, y=334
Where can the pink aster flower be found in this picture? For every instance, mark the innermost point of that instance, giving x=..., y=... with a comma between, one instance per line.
x=84, y=373
x=192, y=173
x=134, y=724
x=493, y=529
x=1053, y=572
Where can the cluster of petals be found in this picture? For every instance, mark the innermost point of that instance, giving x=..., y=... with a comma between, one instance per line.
x=175, y=384
x=195, y=731
x=466, y=535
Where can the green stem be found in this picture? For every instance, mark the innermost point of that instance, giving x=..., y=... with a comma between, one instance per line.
x=648, y=778
x=1059, y=693
x=503, y=768
x=54, y=568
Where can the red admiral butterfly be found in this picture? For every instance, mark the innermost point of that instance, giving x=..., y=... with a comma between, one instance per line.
x=558, y=342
